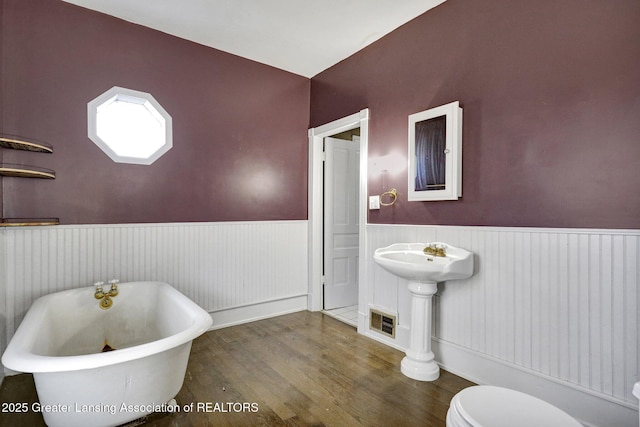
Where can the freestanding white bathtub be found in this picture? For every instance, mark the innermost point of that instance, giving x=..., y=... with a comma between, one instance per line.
x=150, y=325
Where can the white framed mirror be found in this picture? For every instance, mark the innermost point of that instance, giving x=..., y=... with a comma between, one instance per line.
x=435, y=154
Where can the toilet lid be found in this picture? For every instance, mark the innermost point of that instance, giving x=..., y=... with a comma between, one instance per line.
x=500, y=407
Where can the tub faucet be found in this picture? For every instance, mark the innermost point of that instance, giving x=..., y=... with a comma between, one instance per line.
x=105, y=297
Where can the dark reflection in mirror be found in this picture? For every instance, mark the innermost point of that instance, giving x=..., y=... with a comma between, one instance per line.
x=431, y=138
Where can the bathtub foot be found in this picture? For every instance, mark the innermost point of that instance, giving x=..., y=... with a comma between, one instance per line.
x=172, y=406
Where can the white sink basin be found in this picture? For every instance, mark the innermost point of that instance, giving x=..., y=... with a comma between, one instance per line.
x=409, y=261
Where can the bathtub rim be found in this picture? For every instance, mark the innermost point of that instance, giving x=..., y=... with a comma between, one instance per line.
x=19, y=358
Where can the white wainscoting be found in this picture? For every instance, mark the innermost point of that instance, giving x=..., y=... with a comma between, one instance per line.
x=3, y=285
x=556, y=305
x=238, y=271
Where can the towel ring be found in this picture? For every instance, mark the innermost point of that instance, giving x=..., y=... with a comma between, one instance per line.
x=393, y=194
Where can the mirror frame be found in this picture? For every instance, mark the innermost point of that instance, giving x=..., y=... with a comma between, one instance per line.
x=453, y=151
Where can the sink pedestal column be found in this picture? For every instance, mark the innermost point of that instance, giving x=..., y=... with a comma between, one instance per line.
x=419, y=363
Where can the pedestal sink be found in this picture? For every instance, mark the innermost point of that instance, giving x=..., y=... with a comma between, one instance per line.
x=423, y=265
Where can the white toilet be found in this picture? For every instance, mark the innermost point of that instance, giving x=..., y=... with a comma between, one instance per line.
x=489, y=406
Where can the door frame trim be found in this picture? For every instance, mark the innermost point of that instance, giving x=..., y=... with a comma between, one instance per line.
x=315, y=203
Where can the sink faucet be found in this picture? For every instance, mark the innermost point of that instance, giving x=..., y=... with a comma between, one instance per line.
x=435, y=250
x=105, y=297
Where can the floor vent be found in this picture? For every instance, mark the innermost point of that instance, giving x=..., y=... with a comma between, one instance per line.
x=382, y=322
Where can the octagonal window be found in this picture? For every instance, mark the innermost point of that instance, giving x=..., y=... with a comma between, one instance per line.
x=129, y=126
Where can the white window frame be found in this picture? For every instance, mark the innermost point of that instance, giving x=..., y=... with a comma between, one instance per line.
x=134, y=97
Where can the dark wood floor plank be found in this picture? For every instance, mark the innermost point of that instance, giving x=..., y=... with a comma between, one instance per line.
x=297, y=371
x=301, y=369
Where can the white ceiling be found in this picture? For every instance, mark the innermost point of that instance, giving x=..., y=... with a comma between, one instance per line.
x=304, y=37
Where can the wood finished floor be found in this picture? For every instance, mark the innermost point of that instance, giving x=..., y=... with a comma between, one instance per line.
x=301, y=369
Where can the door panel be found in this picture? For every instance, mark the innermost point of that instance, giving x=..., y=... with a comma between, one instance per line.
x=341, y=219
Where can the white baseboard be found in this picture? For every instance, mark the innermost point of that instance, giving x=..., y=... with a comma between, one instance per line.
x=258, y=311
x=586, y=406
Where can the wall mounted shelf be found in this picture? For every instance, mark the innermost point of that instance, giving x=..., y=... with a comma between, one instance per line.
x=23, y=171
x=16, y=143
x=28, y=222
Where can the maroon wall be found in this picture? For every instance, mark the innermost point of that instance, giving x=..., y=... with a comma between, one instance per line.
x=551, y=97
x=1, y=97
x=239, y=127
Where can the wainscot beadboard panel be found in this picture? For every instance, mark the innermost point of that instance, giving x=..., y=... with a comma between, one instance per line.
x=561, y=303
x=220, y=266
x=3, y=299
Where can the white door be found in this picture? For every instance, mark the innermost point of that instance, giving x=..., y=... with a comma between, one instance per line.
x=341, y=188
